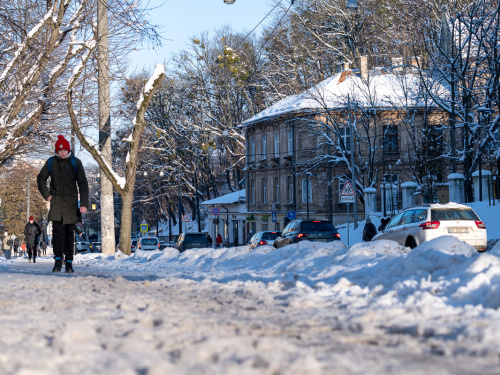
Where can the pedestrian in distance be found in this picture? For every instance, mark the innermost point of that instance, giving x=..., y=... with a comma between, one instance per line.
x=369, y=231
x=218, y=240
x=5, y=243
x=31, y=233
x=210, y=241
x=16, y=248
x=67, y=181
x=44, y=249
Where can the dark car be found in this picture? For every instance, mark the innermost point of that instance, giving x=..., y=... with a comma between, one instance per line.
x=307, y=230
x=95, y=247
x=191, y=241
x=263, y=238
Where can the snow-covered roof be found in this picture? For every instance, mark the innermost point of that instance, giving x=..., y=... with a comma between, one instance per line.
x=383, y=90
x=236, y=197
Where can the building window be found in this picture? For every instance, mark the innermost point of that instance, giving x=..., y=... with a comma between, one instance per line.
x=289, y=190
x=252, y=191
x=276, y=190
x=344, y=139
x=390, y=139
x=264, y=191
x=306, y=189
x=290, y=141
x=251, y=154
x=264, y=147
x=276, y=145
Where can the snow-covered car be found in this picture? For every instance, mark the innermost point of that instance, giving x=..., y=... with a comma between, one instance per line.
x=82, y=246
x=415, y=225
x=263, y=238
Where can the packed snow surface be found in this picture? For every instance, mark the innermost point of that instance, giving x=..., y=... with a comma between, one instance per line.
x=309, y=308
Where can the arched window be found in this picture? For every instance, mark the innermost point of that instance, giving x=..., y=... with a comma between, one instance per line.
x=276, y=145
x=252, y=191
x=276, y=190
x=251, y=152
x=264, y=146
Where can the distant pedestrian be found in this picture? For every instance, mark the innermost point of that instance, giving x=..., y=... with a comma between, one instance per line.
x=369, y=231
x=31, y=233
x=44, y=248
x=218, y=240
x=210, y=241
x=383, y=223
x=5, y=243
x=23, y=249
x=67, y=182
x=250, y=235
x=16, y=248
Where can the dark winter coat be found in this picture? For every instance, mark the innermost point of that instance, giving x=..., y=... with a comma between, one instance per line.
x=31, y=233
x=63, y=189
x=369, y=231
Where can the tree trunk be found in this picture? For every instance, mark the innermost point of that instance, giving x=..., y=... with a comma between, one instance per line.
x=126, y=221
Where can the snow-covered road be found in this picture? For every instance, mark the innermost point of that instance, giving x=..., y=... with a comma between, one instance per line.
x=122, y=321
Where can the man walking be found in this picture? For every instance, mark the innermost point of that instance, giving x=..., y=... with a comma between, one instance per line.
x=67, y=180
x=31, y=233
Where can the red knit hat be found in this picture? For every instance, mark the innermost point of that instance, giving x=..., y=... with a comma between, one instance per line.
x=62, y=144
x=31, y=218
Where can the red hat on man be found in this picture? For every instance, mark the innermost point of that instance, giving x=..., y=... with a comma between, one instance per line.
x=31, y=218
x=62, y=144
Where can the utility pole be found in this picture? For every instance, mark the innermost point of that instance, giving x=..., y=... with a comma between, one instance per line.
x=28, y=209
x=107, y=207
x=179, y=201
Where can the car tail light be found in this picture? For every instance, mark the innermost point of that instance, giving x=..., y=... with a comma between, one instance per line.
x=302, y=235
x=139, y=246
x=480, y=224
x=262, y=242
x=336, y=235
x=317, y=221
x=429, y=225
x=159, y=246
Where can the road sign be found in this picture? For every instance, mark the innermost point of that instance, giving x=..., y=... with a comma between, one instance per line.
x=215, y=211
x=274, y=217
x=347, y=190
x=347, y=198
x=144, y=228
x=185, y=218
x=273, y=207
x=291, y=215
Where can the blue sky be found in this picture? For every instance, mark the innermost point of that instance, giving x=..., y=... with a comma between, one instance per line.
x=182, y=20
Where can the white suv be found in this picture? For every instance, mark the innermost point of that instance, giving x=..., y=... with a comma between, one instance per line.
x=415, y=225
x=148, y=243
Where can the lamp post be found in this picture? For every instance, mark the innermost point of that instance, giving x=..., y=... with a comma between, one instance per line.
x=353, y=166
x=308, y=182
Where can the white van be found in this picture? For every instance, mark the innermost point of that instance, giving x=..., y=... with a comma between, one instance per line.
x=148, y=243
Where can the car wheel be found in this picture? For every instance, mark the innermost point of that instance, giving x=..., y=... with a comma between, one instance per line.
x=410, y=242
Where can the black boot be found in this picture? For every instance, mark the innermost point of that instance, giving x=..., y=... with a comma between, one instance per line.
x=58, y=265
x=69, y=266
x=34, y=260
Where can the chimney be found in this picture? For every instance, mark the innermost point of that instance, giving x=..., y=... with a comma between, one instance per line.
x=397, y=64
x=364, y=67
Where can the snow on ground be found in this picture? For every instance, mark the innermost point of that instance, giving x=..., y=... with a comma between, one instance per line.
x=310, y=308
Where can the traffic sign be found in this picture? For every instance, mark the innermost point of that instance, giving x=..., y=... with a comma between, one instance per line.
x=215, y=211
x=144, y=228
x=291, y=215
x=347, y=190
x=274, y=217
x=347, y=198
x=185, y=218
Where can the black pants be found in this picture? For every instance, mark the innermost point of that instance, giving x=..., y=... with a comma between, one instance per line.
x=31, y=251
x=63, y=240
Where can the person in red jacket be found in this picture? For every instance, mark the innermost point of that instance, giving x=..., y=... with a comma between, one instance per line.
x=218, y=240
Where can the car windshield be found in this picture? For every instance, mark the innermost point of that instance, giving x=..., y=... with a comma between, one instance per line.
x=195, y=238
x=270, y=236
x=442, y=214
x=134, y=243
x=149, y=241
x=322, y=226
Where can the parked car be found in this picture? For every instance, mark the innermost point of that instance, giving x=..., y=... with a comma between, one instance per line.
x=82, y=246
x=148, y=243
x=307, y=230
x=133, y=246
x=413, y=226
x=191, y=241
x=95, y=247
x=263, y=238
